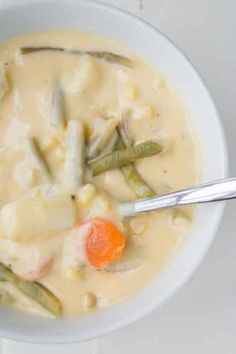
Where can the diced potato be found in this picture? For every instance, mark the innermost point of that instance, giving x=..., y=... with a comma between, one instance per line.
x=89, y=301
x=3, y=84
x=86, y=195
x=29, y=218
x=138, y=225
x=142, y=111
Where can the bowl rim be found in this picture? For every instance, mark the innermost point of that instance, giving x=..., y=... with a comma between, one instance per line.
x=224, y=171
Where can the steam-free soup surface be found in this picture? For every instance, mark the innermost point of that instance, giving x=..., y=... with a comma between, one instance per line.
x=59, y=112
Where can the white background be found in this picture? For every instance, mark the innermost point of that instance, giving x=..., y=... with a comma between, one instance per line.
x=201, y=318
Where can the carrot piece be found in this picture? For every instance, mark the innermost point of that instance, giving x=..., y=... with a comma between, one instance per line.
x=104, y=243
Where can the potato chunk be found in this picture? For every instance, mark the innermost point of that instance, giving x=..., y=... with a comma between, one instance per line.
x=28, y=218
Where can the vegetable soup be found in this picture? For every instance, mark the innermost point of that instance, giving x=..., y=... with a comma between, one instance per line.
x=84, y=124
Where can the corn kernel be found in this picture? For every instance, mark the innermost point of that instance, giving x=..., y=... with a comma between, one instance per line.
x=86, y=195
x=143, y=111
x=180, y=220
x=72, y=273
x=138, y=226
x=89, y=301
x=31, y=177
x=131, y=93
x=50, y=143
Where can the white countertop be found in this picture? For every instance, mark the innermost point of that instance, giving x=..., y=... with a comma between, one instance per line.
x=201, y=318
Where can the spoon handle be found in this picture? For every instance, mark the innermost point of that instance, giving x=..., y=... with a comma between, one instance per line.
x=210, y=192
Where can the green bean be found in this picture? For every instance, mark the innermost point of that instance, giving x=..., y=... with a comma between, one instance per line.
x=36, y=158
x=121, y=157
x=35, y=291
x=140, y=188
x=107, y=56
x=136, y=183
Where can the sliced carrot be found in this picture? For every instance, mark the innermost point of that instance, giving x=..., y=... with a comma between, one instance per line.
x=104, y=243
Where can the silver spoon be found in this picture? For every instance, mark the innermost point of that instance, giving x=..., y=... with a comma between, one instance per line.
x=210, y=192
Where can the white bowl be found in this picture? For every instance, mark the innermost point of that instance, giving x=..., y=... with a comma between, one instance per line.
x=26, y=16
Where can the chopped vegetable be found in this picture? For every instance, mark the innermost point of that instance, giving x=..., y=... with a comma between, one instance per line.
x=33, y=290
x=142, y=111
x=101, y=136
x=74, y=163
x=180, y=219
x=25, y=176
x=27, y=218
x=50, y=142
x=134, y=256
x=89, y=301
x=36, y=158
x=72, y=273
x=28, y=261
x=107, y=56
x=14, y=297
x=101, y=206
x=3, y=84
x=136, y=183
x=124, y=132
x=138, y=225
x=121, y=157
x=84, y=75
x=86, y=195
x=73, y=252
x=39, y=272
x=104, y=243
x=57, y=109
x=131, y=93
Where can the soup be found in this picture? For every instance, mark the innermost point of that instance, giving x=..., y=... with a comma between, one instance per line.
x=85, y=124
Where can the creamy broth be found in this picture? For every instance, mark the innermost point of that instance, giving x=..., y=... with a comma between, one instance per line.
x=94, y=91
